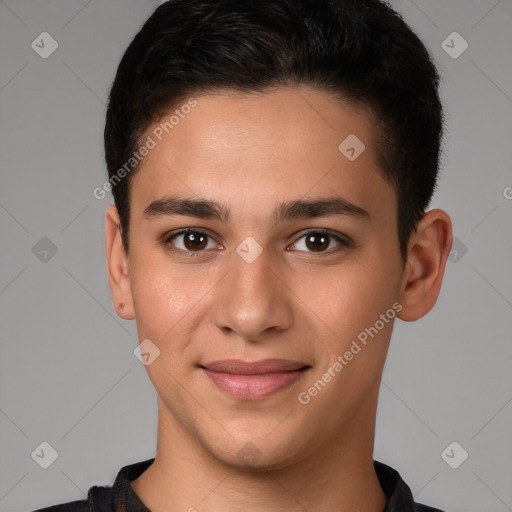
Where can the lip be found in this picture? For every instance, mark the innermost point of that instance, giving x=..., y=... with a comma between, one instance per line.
x=254, y=380
x=263, y=366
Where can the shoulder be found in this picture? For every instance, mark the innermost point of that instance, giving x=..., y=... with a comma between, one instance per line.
x=99, y=499
x=399, y=495
x=71, y=506
x=419, y=507
x=120, y=496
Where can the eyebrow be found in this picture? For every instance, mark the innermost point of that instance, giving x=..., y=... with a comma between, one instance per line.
x=289, y=210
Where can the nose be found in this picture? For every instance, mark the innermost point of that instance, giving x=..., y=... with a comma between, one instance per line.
x=253, y=299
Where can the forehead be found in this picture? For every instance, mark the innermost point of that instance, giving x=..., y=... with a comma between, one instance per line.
x=281, y=144
x=283, y=115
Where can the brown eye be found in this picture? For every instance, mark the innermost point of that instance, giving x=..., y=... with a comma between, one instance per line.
x=189, y=241
x=194, y=241
x=319, y=241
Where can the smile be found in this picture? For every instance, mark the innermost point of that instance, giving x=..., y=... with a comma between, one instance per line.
x=253, y=387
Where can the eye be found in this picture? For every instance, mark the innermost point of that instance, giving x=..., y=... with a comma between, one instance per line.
x=319, y=240
x=189, y=240
x=192, y=242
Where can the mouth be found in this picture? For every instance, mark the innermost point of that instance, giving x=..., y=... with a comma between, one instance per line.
x=254, y=380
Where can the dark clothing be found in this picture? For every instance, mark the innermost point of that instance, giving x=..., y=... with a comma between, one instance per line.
x=122, y=498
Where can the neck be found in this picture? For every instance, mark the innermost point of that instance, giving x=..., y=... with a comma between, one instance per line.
x=337, y=475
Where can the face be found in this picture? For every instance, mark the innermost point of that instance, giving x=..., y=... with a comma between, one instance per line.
x=299, y=263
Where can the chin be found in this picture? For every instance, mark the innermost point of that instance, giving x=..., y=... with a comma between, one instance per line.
x=256, y=453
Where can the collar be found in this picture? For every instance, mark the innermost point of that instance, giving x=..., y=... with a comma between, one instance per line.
x=122, y=498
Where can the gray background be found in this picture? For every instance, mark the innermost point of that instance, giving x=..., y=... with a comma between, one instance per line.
x=68, y=374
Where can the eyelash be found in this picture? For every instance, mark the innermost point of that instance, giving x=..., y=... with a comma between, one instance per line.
x=166, y=241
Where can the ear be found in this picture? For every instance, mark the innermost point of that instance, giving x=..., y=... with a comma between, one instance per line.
x=428, y=249
x=117, y=266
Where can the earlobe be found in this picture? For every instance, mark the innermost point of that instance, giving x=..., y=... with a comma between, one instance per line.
x=429, y=248
x=117, y=266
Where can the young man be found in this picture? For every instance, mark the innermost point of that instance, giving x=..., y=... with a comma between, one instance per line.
x=271, y=165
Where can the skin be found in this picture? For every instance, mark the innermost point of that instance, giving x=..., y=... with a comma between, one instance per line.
x=251, y=152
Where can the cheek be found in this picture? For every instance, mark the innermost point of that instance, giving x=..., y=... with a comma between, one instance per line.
x=166, y=298
x=351, y=303
x=350, y=297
